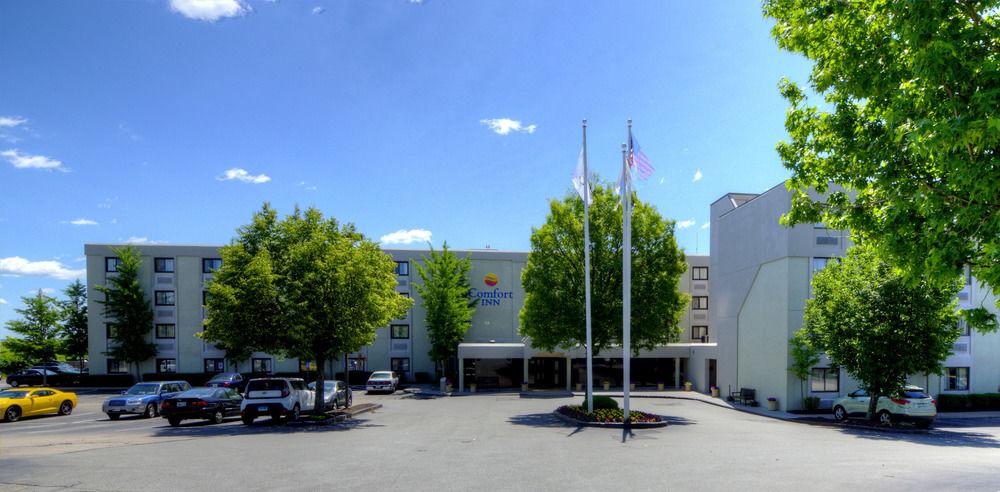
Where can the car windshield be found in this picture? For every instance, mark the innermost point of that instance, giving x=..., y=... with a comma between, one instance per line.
x=380, y=376
x=222, y=377
x=143, y=389
x=917, y=393
x=13, y=394
x=198, y=393
x=266, y=385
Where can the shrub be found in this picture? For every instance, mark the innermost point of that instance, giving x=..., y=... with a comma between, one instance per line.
x=601, y=402
x=811, y=403
x=106, y=380
x=969, y=403
x=606, y=415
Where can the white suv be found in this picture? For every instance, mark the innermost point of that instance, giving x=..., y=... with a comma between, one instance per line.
x=910, y=405
x=276, y=397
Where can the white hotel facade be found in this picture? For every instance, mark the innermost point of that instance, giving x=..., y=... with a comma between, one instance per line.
x=737, y=337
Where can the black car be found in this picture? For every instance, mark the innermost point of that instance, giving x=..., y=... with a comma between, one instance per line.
x=212, y=404
x=37, y=376
x=228, y=380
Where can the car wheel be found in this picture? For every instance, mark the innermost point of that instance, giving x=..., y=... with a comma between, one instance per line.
x=13, y=383
x=174, y=422
x=114, y=416
x=247, y=419
x=13, y=414
x=218, y=417
x=66, y=408
x=150, y=411
x=296, y=412
x=839, y=414
x=885, y=418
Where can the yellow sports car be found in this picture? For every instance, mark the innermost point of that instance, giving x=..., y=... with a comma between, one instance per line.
x=17, y=403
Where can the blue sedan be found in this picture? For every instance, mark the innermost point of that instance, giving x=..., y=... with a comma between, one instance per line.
x=143, y=399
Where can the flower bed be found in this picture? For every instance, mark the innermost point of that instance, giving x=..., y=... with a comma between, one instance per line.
x=606, y=415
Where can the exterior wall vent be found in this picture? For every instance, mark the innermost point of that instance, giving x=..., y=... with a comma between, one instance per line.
x=700, y=286
x=700, y=316
x=827, y=240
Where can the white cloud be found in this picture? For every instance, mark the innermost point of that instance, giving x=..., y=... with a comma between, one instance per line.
x=240, y=174
x=684, y=224
x=83, y=222
x=706, y=225
x=11, y=121
x=503, y=126
x=141, y=240
x=404, y=236
x=16, y=266
x=697, y=176
x=209, y=10
x=25, y=161
x=318, y=10
x=663, y=180
x=3, y=301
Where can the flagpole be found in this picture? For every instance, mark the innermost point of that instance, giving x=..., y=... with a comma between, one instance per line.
x=626, y=276
x=586, y=275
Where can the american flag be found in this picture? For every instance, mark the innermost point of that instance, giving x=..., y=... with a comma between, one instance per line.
x=639, y=161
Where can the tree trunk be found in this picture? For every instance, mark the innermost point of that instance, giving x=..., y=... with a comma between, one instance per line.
x=872, y=406
x=318, y=407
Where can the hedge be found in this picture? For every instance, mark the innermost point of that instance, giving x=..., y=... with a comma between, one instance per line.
x=968, y=403
x=106, y=380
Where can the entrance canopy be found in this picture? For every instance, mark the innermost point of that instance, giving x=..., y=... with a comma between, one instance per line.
x=491, y=350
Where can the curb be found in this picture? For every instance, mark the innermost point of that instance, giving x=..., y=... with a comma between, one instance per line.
x=839, y=425
x=612, y=425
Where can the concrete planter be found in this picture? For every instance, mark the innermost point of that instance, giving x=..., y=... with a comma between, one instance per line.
x=631, y=387
x=579, y=387
x=449, y=388
x=715, y=392
x=472, y=388
x=524, y=386
x=607, y=386
x=687, y=386
x=659, y=387
x=772, y=405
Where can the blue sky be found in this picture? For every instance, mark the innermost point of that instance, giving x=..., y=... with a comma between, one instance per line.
x=122, y=120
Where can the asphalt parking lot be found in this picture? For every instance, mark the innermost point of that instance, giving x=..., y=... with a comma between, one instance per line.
x=496, y=441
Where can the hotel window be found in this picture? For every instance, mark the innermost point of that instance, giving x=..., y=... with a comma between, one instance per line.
x=399, y=331
x=399, y=365
x=165, y=298
x=166, y=366
x=261, y=365
x=166, y=331
x=824, y=379
x=111, y=263
x=699, y=273
x=699, y=302
x=209, y=265
x=963, y=327
x=958, y=378
x=819, y=264
x=699, y=333
x=116, y=366
x=213, y=366
x=163, y=265
x=402, y=268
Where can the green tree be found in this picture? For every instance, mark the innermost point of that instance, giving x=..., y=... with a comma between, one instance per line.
x=303, y=287
x=74, y=322
x=10, y=362
x=878, y=325
x=804, y=358
x=554, y=311
x=127, y=311
x=444, y=292
x=910, y=129
x=38, y=329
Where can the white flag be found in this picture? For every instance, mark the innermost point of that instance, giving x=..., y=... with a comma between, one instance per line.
x=580, y=181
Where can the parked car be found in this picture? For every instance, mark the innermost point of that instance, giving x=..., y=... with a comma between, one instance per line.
x=213, y=404
x=276, y=397
x=382, y=381
x=143, y=399
x=228, y=380
x=17, y=403
x=37, y=376
x=911, y=404
x=336, y=394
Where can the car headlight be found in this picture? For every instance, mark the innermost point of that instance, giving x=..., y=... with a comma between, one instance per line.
x=137, y=401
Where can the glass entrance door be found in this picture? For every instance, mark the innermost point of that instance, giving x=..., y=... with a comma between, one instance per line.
x=547, y=372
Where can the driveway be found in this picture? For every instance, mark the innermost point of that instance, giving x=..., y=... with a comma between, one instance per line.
x=502, y=442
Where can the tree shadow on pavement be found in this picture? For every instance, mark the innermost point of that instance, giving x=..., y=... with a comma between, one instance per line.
x=950, y=438
x=265, y=426
x=545, y=419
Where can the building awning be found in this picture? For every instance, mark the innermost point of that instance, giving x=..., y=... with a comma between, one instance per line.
x=491, y=350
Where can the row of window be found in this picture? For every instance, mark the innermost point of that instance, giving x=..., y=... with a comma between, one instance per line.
x=264, y=365
x=827, y=380
x=164, y=265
